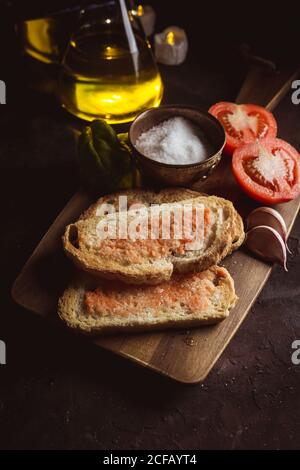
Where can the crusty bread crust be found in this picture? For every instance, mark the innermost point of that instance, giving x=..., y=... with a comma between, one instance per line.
x=228, y=237
x=72, y=311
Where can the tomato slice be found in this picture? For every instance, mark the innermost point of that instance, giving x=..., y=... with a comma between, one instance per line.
x=244, y=123
x=268, y=170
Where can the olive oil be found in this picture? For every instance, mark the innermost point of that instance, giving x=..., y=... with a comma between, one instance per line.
x=103, y=78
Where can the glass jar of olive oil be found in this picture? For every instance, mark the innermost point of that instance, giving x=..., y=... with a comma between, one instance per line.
x=108, y=70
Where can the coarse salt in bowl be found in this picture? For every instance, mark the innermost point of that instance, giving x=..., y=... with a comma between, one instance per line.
x=175, y=144
x=176, y=141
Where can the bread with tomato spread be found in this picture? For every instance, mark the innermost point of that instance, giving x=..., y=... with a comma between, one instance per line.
x=97, y=306
x=151, y=261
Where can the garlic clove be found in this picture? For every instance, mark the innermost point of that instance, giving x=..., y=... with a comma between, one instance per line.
x=270, y=217
x=268, y=244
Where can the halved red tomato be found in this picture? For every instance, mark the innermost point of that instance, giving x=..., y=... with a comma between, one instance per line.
x=243, y=123
x=268, y=170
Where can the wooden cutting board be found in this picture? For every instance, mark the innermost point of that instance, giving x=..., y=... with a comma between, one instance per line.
x=186, y=356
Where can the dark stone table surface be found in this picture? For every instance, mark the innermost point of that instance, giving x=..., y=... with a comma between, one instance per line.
x=57, y=391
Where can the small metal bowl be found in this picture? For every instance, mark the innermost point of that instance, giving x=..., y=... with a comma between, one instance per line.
x=170, y=174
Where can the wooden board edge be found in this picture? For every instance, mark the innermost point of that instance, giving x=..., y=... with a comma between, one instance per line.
x=14, y=287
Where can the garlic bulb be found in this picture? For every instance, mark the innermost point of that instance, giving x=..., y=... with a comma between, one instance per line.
x=267, y=243
x=271, y=218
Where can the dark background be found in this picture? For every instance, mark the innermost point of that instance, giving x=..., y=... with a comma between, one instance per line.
x=58, y=391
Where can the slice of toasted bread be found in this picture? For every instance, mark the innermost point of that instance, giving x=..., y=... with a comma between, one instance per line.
x=145, y=196
x=169, y=195
x=122, y=263
x=96, y=306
